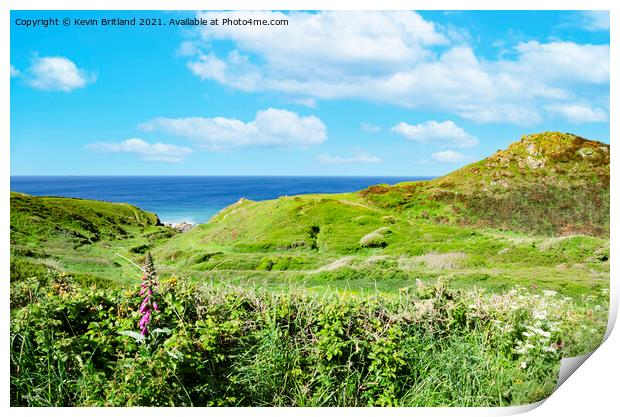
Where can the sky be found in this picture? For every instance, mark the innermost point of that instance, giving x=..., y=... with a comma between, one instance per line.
x=331, y=93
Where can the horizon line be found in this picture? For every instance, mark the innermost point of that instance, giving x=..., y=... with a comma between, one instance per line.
x=223, y=175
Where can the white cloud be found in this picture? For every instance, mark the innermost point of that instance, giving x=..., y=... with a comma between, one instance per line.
x=14, y=72
x=448, y=157
x=398, y=58
x=443, y=133
x=307, y=102
x=57, y=73
x=370, y=128
x=360, y=158
x=579, y=113
x=161, y=152
x=559, y=63
x=270, y=128
x=595, y=20
x=330, y=40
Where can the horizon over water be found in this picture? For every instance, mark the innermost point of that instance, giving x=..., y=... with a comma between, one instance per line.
x=191, y=198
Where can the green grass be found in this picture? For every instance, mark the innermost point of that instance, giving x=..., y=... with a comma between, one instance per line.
x=311, y=236
x=234, y=346
x=422, y=293
x=82, y=236
x=479, y=213
x=549, y=183
x=224, y=248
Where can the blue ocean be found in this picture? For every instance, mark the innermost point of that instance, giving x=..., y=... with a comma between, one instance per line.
x=189, y=198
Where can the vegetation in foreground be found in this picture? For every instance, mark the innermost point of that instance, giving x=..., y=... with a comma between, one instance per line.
x=464, y=290
x=233, y=346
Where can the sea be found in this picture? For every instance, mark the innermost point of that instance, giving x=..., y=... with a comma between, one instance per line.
x=194, y=199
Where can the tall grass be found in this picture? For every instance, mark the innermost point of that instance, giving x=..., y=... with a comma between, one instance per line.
x=215, y=345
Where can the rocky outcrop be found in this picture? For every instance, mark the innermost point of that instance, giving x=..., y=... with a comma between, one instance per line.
x=183, y=226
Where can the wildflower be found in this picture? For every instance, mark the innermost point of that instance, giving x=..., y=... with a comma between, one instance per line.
x=147, y=289
x=542, y=333
x=523, y=365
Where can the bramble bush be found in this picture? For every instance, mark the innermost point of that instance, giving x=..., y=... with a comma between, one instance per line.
x=230, y=346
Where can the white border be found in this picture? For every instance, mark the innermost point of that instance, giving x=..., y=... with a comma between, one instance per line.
x=594, y=387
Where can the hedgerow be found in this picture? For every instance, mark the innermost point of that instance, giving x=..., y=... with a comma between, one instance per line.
x=221, y=346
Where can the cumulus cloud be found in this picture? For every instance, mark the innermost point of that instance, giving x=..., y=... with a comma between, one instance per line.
x=161, y=152
x=360, y=158
x=398, y=58
x=329, y=40
x=270, y=128
x=442, y=133
x=578, y=113
x=57, y=73
x=448, y=157
x=559, y=63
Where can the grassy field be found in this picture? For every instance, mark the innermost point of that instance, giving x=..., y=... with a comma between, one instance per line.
x=463, y=290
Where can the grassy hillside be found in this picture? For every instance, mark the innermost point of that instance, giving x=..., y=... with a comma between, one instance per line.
x=535, y=213
x=466, y=290
x=77, y=222
x=549, y=183
x=80, y=236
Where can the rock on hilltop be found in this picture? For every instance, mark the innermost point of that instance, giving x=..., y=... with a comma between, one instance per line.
x=549, y=183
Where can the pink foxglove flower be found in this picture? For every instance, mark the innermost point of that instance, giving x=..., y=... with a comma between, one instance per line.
x=147, y=290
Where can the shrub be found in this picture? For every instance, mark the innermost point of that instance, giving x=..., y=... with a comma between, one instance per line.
x=233, y=346
x=373, y=240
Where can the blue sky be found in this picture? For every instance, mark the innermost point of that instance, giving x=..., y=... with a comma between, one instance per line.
x=332, y=93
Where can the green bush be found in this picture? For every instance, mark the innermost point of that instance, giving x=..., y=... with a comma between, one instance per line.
x=212, y=346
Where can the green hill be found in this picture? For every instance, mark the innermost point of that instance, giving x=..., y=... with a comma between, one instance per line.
x=549, y=183
x=78, y=235
x=73, y=221
x=537, y=209
x=535, y=212
x=334, y=299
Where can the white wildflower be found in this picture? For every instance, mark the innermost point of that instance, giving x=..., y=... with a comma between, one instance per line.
x=542, y=333
x=540, y=315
